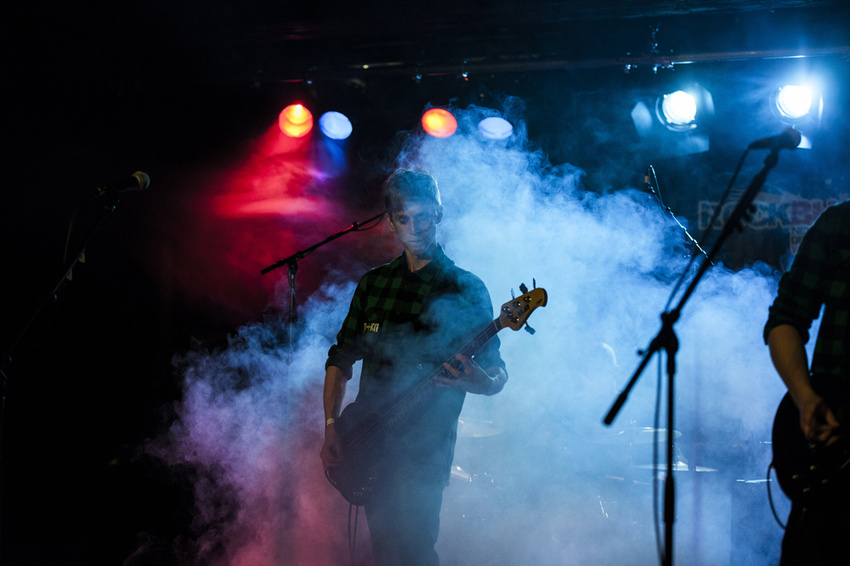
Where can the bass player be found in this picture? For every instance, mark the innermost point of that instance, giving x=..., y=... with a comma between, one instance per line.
x=404, y=318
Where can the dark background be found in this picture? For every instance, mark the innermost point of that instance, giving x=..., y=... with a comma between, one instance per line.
x=176, y=89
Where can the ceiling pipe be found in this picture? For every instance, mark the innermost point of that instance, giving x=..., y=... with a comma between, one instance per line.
x=479, y=66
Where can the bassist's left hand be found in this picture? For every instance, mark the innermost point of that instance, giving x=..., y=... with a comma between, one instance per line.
x=472, y=378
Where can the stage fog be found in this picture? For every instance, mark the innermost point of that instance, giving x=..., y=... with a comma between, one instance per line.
x=537, y=477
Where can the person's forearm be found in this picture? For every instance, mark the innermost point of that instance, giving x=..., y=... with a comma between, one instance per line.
x=789, y=357
x=334, y=392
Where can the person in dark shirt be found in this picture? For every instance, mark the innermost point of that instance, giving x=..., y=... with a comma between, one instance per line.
x=406, y=318
x=819, y=279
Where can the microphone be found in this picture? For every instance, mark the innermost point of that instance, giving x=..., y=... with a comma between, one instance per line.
x=138, y=181
x=648, y=186
x=788, y=139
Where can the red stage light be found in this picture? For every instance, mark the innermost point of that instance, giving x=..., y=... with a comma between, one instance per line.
x=439, y=123
x=295, y=121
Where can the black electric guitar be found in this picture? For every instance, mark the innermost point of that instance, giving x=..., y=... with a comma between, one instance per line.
x=809, y=472
x=365, y=431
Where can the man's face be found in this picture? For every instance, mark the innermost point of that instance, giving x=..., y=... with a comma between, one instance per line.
x=416, y=227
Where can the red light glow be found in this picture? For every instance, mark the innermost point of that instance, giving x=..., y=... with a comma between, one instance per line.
x=240, y=214
x=295, y=121
x=439, y=123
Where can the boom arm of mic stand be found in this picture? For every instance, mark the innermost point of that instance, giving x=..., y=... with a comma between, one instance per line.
x=292, y=260
x=734, y=223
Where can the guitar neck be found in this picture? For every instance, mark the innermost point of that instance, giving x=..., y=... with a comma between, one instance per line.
x=476, y=343
x=404, y=406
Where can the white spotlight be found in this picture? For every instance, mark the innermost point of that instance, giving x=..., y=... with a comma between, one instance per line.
x=794, y=101
x=495, y=128
x=678, y=110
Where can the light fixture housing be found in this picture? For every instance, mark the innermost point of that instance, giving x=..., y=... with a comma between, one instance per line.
x=675, y=123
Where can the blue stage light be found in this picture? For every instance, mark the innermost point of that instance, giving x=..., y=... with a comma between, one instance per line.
x=335, y=125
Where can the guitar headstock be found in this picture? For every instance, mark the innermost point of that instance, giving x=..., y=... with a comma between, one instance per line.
x=515, y=312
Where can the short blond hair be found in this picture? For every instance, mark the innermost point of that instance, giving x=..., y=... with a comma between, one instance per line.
x=405, y=186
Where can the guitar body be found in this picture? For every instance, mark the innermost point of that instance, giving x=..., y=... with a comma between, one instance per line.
x=364, y=436
x=805, y=472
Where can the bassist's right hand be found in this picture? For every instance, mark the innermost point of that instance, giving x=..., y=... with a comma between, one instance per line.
x=331, y=453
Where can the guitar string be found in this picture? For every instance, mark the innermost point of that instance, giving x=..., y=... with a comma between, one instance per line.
x=425, y=387
x=370, y=434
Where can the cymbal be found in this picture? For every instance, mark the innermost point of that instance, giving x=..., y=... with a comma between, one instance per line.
x=463, y=477
x=635, y=435
x=461, y=474
x=474, y=428
x=677, y=467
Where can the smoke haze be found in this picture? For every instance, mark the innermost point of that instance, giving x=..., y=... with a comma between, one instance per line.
x=538, y=479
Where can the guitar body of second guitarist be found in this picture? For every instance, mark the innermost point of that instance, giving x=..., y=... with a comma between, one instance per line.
x=404, y=319
x=812, y=472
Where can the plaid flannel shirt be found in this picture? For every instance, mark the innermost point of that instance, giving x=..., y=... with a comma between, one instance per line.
x=820, y=277
x=403, y=325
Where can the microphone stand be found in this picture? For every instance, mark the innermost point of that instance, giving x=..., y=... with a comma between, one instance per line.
x=666, y=339
x=292, y=264
x=52, y=298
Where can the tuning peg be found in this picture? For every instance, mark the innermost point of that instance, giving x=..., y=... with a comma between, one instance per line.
x=529, y=329
x=533, y=283
x=523, y=288
x=512, y=293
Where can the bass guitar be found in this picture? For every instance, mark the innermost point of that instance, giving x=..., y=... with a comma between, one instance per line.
x=809, y=472
x=365, y=432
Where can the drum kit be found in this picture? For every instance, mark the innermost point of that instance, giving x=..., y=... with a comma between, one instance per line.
x=568, y=487
x=624, y=441
x=494, y=462
x=476, y=428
